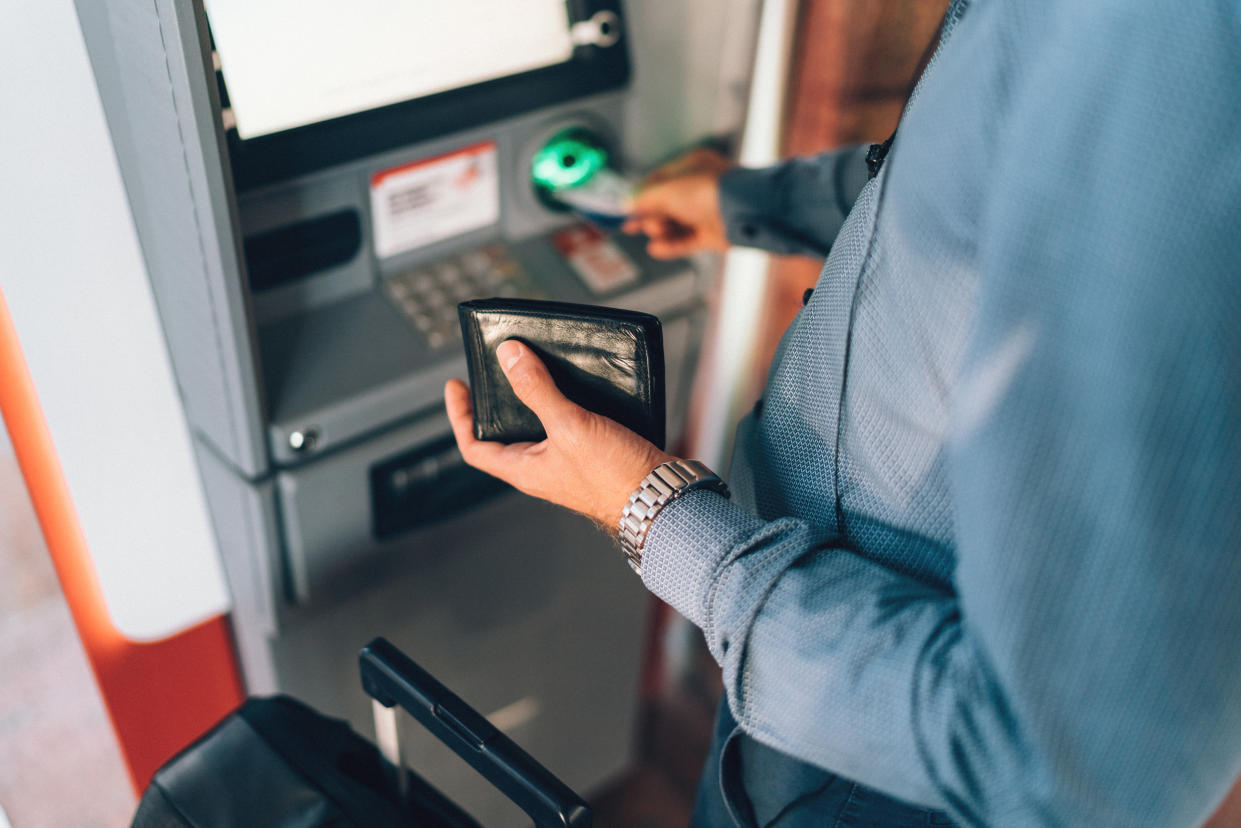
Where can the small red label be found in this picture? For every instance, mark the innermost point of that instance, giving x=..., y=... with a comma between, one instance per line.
x=596, y=259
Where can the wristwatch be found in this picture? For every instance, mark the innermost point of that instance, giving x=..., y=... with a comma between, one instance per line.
x=663, y=485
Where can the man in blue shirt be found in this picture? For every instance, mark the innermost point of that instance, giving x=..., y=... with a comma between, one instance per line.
x=983, y=551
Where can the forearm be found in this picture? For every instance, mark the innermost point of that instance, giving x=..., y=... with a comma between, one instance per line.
x=824, y=653
x=843, y=663
x=796, y=206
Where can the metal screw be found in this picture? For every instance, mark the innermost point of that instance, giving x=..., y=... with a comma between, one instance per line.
x=304, y=439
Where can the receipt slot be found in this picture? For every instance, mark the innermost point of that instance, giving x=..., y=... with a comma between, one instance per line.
x=315, y=187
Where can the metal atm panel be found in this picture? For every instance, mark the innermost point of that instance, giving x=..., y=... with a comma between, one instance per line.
x=341, y=509
x=343, y=514
x=158, y=95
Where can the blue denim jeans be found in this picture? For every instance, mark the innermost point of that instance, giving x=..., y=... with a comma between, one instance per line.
x=748, y=784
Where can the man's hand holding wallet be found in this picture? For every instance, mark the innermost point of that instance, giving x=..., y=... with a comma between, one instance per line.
x=611, y=360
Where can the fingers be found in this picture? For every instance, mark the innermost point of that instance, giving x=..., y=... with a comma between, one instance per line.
x=660, y=228
x=460, y=412
x=676, y=217
x=672, y=248
x=534, y=386
x=655, y=200
x=667, y=172
x=510, y=463
x=663, y=227
x=700, y=159
x=477, y=453
x=657, y=211
x=640, y=223
x=669, y=239
x=460, y=409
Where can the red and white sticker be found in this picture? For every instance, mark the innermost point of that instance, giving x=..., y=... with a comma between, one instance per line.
x=600, y=263
x=417, y=204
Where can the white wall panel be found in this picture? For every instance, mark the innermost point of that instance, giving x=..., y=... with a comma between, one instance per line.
x=73, y=276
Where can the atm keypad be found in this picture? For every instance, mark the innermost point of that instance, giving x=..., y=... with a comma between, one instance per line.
x=428, y=294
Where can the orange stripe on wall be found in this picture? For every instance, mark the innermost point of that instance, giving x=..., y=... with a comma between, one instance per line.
x=162, y=695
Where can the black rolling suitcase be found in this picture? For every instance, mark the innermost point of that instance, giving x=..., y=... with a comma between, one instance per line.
x=276, y=763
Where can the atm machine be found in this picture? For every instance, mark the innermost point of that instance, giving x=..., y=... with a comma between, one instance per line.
x=315, y=186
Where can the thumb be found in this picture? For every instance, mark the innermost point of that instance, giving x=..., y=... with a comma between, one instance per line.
x=532, y=383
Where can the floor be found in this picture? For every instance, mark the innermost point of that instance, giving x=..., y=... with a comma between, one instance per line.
x=59, y=764
x=675, y=735
x=60, y=767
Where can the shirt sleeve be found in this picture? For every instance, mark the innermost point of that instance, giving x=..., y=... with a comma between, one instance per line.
x=795, y=207
x=1084, y=670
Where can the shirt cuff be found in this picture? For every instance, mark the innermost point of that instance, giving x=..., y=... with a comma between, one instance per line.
x=746, y=204
x=686, y=545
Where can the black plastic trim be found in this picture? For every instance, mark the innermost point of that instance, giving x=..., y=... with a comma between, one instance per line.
x=268, y=159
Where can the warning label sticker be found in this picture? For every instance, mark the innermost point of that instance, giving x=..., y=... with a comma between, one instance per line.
x=433, y=199
x=596, y=259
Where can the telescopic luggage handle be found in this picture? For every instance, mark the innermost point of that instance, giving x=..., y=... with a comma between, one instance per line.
x=392, y=678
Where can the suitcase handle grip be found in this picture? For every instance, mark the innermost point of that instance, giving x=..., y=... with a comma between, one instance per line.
x=392, y=678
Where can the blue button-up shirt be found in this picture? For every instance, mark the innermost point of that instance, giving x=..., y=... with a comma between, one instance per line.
x=984, y=552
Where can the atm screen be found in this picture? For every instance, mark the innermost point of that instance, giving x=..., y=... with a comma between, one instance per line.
x=289, y=63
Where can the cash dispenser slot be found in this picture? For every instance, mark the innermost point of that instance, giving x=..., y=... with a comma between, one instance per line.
x=425, y=485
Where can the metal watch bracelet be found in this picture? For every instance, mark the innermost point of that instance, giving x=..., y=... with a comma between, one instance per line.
x=664, y=484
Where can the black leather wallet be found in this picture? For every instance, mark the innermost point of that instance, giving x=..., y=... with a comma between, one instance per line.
x=606, y=360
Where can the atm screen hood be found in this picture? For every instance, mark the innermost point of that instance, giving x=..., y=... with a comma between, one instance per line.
x=308, y=85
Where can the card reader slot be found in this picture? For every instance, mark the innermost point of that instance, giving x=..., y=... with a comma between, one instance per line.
x=288, y=253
